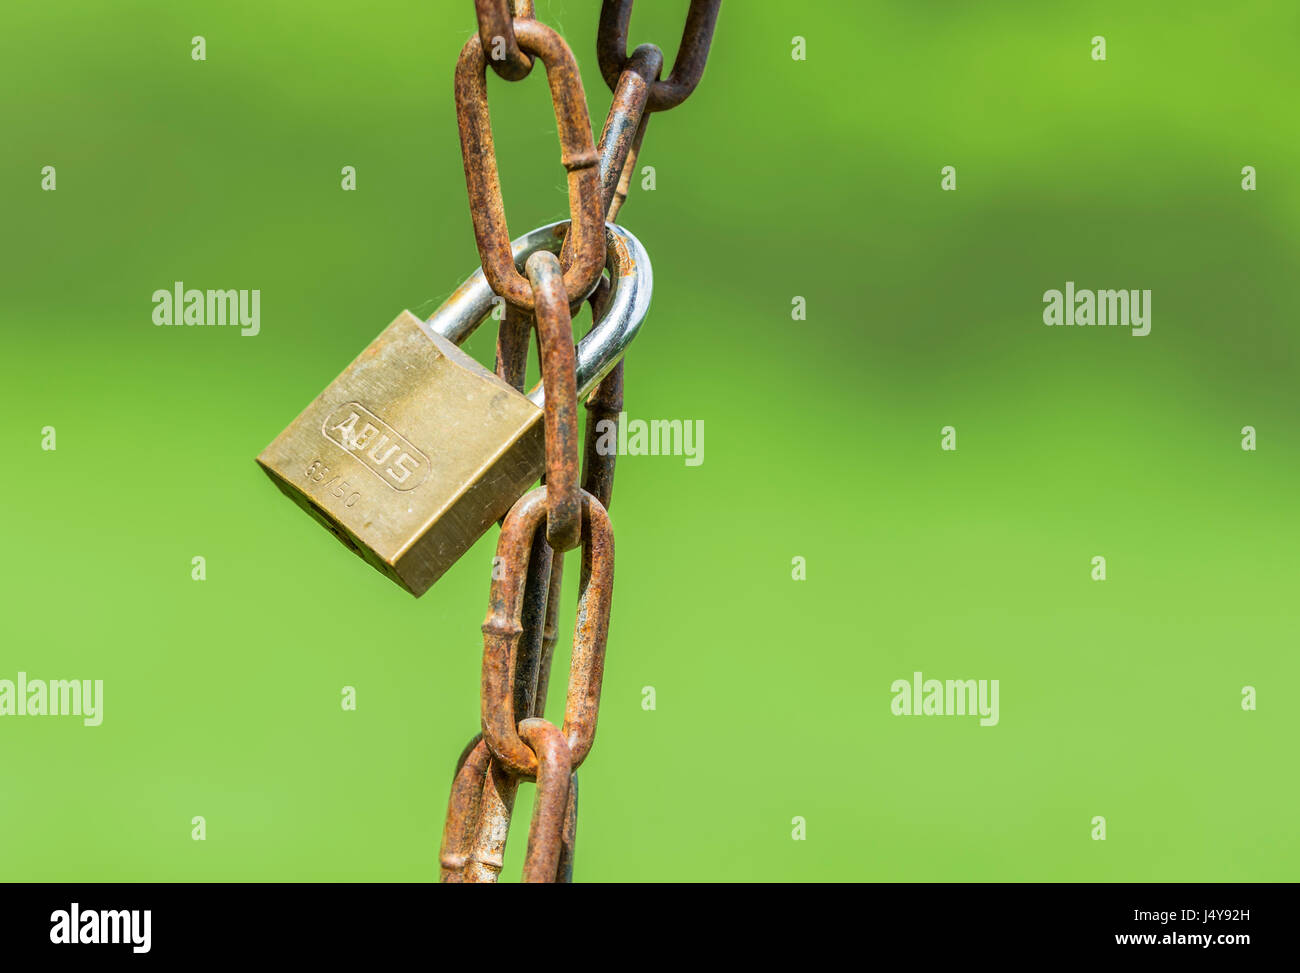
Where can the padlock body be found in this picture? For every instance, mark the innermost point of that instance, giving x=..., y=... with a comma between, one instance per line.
x=410, y=454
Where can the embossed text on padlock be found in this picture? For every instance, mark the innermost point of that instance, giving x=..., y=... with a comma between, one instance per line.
x=416, y=449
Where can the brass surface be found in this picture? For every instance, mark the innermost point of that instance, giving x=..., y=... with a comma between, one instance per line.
x=411, y=454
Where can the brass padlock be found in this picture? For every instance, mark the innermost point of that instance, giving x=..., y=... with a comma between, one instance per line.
x=416, y=449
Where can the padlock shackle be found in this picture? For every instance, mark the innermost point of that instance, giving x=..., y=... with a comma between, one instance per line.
x=631, y=283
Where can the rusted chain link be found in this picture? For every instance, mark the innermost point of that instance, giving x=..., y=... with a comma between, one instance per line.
x=624, y=128
x=464, y=812
x=637, y=93
x=555, y=346
x=483, y=797
x=496, y=33
x=520, y=631
x=546, y=832
x=688, y=67
x=586, y=236
x=515, y=745
x=503, y=627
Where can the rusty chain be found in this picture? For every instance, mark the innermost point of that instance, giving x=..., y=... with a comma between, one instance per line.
x=586, y=257
x=496, y=33
x=517, y=742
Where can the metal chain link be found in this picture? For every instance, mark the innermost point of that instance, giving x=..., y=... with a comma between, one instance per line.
x=517, y=742
x=496, y=31
x=585, y=258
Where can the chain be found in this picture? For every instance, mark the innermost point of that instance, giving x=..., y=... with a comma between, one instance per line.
x=519, y=634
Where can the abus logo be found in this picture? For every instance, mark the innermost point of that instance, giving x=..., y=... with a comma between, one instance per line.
x=390, y=456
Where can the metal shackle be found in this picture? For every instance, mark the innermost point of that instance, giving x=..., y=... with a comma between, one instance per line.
x=631, y=283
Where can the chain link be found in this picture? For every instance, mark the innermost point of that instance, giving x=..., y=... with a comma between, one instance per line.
x=496, y=31
x=692, y=54
x=584, y=260
x=503, y=629
x=520, y=632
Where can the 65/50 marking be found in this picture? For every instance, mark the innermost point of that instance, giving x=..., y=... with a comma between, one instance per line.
x=337, y=486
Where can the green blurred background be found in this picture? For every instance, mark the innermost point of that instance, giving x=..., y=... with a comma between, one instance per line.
x=816, y=178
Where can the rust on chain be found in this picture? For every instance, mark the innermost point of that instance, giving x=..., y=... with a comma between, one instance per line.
x=564, y=872
x=537, y=640
x=555, y=347
x=547, y=829
x=463, y=811
x=496, y=32
x=512, y=346
x=623, y=130
x=520, y=632
x=688, y=66
x=502, y=630
x=487, y=850
x=603, y=408
x=591, y=631
x=629, y=167
x=532, y=641
x=569, y=840
x=486, y=837
x=484, y=844
x=550, y=632
x=625, y=123
x=583, y=265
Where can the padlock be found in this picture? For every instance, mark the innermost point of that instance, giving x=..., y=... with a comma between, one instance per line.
x=416, y=449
